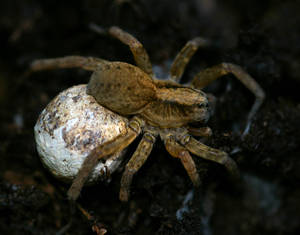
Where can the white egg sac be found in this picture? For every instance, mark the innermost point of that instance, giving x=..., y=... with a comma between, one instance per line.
x=71, y=126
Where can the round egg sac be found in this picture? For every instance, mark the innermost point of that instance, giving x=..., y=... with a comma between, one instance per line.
x=71, y=125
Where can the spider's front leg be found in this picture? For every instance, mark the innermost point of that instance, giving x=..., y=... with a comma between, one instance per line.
x=203, y=78
x=178, y=151
x=135, y=163
x=211, y=154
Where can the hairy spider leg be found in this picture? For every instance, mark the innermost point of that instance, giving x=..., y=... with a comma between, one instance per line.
x=87, y=63
x=135, y=163
x=102, y=152
x=96, y=226
x=178, y=151
x=184, y=56
x=140, y=54
x=99, y=228
x=206, y=152
x=206, y=76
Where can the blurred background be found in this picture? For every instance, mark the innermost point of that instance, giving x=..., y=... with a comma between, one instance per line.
x=261, y=36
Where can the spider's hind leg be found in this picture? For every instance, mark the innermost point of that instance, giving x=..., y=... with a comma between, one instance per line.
x=87, y=63
x=101, y=152
x=140, y=54
x=184, y=56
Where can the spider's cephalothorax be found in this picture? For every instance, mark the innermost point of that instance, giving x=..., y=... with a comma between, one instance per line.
x=155, y=108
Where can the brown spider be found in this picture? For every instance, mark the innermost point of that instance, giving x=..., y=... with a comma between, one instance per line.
x=161, y=108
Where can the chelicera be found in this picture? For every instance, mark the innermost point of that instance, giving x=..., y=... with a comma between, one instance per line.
x=155, y=108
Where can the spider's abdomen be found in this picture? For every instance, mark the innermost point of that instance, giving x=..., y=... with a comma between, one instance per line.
x=121, y=87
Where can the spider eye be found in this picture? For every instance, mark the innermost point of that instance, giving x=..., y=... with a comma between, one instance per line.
x=203, y=105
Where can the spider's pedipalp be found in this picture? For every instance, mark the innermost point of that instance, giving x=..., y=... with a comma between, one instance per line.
x=201, y=131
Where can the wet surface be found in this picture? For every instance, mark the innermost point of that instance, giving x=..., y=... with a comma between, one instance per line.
x=261, y=37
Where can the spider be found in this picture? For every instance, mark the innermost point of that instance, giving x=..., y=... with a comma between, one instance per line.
x=155, y=108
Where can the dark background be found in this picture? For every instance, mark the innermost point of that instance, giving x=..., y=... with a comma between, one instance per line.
x=261, y=36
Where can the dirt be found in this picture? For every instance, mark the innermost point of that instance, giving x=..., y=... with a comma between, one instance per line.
x=261, y=36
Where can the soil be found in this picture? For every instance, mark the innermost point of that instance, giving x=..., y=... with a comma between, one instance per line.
x=261, y=36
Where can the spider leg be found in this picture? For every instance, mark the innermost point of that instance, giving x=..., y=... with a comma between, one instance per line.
x=135, y=163
x=65, y=228
x=87, y=63
x=184, y=56
x=211, y=154
x=140, y=55
x=99, y=228
x=90, y=219
x=178, y=151
x=203, y=78
x=101, y=152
